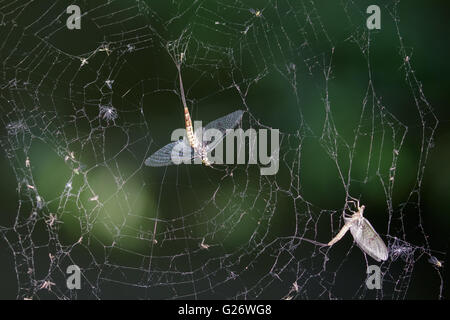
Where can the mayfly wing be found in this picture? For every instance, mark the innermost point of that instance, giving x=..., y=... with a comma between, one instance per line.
x=368, y=240
x=162, y=157
x=230, y=121
x=171, y=154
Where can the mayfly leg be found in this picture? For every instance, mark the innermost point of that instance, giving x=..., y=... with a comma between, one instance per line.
x=341, y=233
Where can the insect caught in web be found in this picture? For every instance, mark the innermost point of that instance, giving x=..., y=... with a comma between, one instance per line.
x=109, y=113
x=364, y=234
x=256, y=12
x=434, y=261
x=195, y=146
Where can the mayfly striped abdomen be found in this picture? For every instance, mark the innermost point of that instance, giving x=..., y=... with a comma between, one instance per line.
x=364, y=234
x=196, y=146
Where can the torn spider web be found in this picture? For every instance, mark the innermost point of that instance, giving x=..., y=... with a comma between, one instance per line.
x=82, y=110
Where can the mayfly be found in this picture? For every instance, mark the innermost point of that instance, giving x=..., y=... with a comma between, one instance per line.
x=434, y=261
x=195, y=147
x=364, y=234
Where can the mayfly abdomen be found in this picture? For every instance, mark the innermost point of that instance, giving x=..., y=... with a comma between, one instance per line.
x=189, y=129
x=204, y=156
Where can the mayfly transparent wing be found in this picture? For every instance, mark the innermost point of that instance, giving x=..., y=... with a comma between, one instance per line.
x=368, y=240
x=162, y=157
x=171, y=154
x=226, y=122
x=230, y=121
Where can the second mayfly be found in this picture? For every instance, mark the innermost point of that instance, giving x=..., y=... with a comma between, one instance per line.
x=175, y=152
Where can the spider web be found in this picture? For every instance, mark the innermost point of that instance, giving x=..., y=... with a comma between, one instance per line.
x=83, y=109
